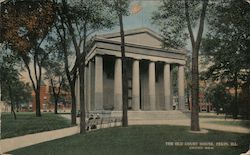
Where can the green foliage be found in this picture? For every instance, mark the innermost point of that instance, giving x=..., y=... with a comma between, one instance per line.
x=24, y=24
x=24, y=27
x=118, y=6
x=15, y=91
x=21, y=93
x=219, y=97
x=94, y=14
x=171, y=19
x=177, y=21
x=227, y=43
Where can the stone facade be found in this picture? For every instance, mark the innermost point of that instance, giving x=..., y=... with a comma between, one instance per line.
x=149, y=66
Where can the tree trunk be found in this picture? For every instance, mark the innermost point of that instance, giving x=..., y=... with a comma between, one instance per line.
x=55, y=95
x=235, y=109
x=82, y=81
x=248, y=98
x=36, y=87
x=195, y=126
x=11, y=103
x=124, y=72
x=38, y=107
x=56, y=100
x=188, y=98
x=70, y=78
x=73, y=105
x=13, y=111
x=82, y=98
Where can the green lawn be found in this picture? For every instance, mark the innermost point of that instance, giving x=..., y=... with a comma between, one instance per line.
x=138, y=140
x=243, y=123
x=213, y=116
x=27, y=123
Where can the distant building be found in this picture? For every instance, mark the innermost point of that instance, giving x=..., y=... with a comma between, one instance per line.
x=204, y=105
x=44, y=98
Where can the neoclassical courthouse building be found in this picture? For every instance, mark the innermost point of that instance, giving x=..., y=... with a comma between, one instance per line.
x=149, y=67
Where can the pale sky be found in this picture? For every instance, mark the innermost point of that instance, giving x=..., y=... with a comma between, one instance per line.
x=141, y=19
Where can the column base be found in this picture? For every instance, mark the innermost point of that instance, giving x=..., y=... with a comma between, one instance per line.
x=168, y=105
x=152, y=102
x=181, y=103
x=136, y=103
x=98, y=101
x=117, y=102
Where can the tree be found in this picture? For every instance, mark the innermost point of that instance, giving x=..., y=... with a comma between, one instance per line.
x=79, y=20
x=55, y=74
x=25, y=25
x=220, y=98
x=227, y=45
x=170, y=16
x=63, y=37
x=8, y=76
x=120, y=7
x=120, y=12
x=16, y=91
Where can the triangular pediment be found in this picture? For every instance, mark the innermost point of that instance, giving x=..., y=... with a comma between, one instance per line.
x=142, y=36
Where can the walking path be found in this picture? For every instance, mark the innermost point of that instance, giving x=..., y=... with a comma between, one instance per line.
x=204, y=123
x=10, y=144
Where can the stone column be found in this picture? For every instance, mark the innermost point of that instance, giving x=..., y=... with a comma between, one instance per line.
x=167, y=87
x=85, y=88
x=136, y=86
x=98, y=83
x=77, y=92
x=151, y=80
x=118, y=85
x=88, y=84
x=181, y=87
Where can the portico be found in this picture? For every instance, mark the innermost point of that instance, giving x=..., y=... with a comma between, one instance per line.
x=149, y=73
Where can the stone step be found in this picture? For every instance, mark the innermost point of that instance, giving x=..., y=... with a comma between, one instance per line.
x=159, y=115
x=153, y=115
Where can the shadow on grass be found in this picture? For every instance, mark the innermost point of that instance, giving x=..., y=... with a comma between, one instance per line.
x=139, y=140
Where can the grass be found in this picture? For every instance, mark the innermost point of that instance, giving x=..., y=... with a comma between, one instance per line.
x=242, y=123
x=27, y=123
x=138, y=140
x=213, y=116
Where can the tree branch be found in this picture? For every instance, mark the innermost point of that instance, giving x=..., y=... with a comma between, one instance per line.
x=201, y=25
x=191, y=34
x=28, y=68
x=34, y=65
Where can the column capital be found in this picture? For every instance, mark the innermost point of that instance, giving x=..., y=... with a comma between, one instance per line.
x=136, y=59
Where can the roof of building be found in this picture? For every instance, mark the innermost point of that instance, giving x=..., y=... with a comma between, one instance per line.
x=133, y=32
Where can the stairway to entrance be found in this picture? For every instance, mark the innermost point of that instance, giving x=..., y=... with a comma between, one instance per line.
x=154, y=115
x=158, y=115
